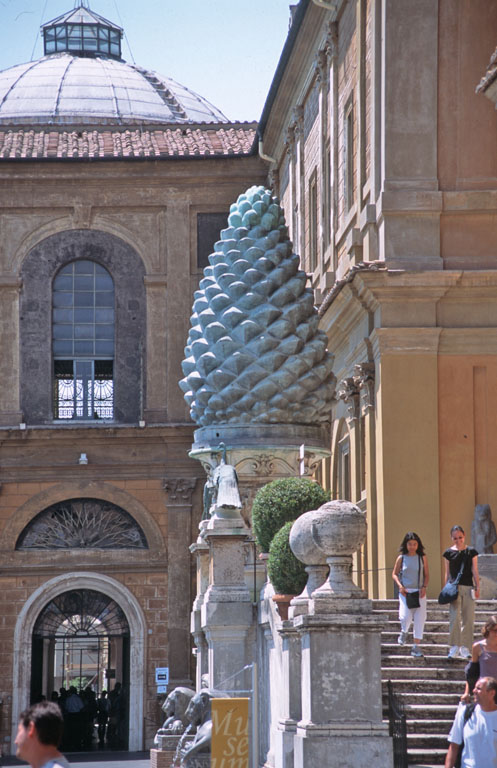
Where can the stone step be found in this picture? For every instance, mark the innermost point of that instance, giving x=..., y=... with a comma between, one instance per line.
x=428, y=648
x=415, y=698
x=429, y=726
x=427, y=740
x=420, y=671
x=430, y=712
x=485, y=606
x=426, y=757
x=406, y=684
x=433, y=661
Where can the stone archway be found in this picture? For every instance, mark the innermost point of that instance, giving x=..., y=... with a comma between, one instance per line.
x=23, y=648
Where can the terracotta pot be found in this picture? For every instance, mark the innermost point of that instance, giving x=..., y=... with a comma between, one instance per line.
x=282, y=604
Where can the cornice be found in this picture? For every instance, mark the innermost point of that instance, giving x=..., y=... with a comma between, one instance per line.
x=468, y=341
x=405, y=341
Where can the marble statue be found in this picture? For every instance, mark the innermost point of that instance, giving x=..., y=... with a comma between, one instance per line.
x=483, y=533
x=221, y=488
x=225, y=481
x=254, y=353
x=199, y=714
x=175, y=708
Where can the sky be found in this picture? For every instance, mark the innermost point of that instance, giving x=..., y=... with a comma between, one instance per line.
x=225, y=50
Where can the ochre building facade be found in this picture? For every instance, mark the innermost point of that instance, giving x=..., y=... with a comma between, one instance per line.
x=384, y=157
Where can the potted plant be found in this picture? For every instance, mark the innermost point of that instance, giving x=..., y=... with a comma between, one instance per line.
x=281, y=501
x=286, y=573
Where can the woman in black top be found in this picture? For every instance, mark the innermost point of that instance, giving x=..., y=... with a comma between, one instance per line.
x=462, y=610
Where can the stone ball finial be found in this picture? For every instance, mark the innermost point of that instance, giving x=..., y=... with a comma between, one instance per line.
x=335, y=531
x=302, y=541
x=254, y=353
x=339, y=528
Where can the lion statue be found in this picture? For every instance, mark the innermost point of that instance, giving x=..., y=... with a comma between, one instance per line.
x=199, y=714
x=175, y=708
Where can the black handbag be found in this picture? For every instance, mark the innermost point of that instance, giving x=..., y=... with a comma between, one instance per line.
x=450, y=592
x=412, y=599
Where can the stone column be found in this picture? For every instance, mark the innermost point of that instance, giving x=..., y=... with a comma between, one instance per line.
x=179, y=507
x=341, y=724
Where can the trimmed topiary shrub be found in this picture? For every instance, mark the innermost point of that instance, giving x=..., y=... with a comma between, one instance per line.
x=286, y=573
x=280, y=501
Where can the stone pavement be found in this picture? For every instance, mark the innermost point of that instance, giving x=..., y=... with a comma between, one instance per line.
x=98, y=760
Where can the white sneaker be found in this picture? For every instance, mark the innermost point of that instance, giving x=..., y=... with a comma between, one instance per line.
x=416, y=651
x=453, y=652
x=464, y=653
x=401, y=640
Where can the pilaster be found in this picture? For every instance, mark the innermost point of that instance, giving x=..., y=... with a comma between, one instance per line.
x=10, y=413
x=179, y=493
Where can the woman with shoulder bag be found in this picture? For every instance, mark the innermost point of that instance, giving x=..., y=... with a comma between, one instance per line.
x=411, y=575
x=483, y=659
x=461, y=562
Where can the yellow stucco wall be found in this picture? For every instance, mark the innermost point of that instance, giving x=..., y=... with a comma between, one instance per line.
x=468, y=438
x=407, y=460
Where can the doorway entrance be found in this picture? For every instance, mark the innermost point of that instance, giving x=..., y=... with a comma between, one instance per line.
x=80, y=658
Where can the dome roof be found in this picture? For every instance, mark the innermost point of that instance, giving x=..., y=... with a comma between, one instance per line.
x=67, y=89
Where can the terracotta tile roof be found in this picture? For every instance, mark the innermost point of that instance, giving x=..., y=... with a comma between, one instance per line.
x=489, y=76
x=182, y=141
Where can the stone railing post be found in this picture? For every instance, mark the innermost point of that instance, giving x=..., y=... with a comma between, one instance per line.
x=341, y=724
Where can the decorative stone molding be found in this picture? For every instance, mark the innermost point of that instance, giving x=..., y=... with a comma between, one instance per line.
x=322, y=68
x=332, y=40
x=83, y=523
x=81, y=218
x=298, y=121
x=348, y=391
x=179, y=490
x=364, y=376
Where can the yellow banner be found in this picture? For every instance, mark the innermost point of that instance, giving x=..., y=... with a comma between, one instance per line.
x=230, y=744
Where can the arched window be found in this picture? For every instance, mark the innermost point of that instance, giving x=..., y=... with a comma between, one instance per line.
x=83, y=342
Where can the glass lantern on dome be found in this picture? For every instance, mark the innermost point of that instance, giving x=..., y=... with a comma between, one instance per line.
x=82, y=32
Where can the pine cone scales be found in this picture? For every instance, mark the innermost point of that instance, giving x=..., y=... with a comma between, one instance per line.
x=254, y=352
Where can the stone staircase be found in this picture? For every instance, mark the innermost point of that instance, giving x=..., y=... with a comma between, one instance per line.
x=429, y=688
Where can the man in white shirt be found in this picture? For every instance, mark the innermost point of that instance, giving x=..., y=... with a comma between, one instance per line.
x=39, y=734
x=477, y=732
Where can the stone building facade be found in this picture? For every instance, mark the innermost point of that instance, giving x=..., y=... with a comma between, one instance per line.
x=384, y=158
x=106, y=219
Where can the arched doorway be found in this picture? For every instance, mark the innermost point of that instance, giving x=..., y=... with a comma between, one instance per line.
x=40, y=615
x=81, y=644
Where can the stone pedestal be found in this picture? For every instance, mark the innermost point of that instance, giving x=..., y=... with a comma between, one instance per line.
x=290, y=694
x=163, y=757
x=226, y=613
x=487, y=568
x=341, y=702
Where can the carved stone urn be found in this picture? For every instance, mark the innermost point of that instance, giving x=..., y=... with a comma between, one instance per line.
x=335, y=531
